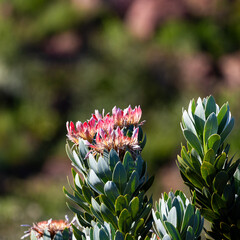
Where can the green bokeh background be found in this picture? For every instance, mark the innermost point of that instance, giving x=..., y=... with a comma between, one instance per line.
x=60, y=60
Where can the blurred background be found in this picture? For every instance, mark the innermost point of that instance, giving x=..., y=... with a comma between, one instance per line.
x=62, y=59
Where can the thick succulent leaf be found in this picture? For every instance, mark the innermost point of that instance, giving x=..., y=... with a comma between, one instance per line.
x=124, y=221
x=209, y=156
x=78, y=163
x=194, y=178
x=132, y=183
x=220, y=161
x=128, y=237
x=189, y=212
x=108, y=215
x=128, y=163
x=92, y=163
x=119, y=176
x=231, y=170
x=104, y=199
x=103, y=235
x=46, y=235
x=173, y=232
x=229, y=194
x=83, y=151
x=210, y=128
x=139, y=165
x=210, y=106
x=227, y=130
x=87, y=193
x=103, y=172
x=134, y=207
x=199, y=117
x=208, y=172
x=222, y=117
x=213, y=142
x=167, y=237
x=113, y=159
x=217, y=203
x=137, y=226
x=120, y=204
x=179, y=214
x=111, y=191
x=95, y=182
x=118, y=236
x=76, y=199
x=190, y=233
x=188, y=123
x=172, y=216
x=58, y=236
x=193, y=141
x=220, y=182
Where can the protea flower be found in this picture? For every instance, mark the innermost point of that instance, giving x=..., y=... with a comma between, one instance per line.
x=115, y=177
x=53, y=229
x=108, y=132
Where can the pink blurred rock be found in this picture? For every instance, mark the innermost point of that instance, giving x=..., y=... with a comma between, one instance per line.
x=230, y=66
x=202, y=7
x=66, y=43
x=196, y=70
x=86, y=4
x=144, y=15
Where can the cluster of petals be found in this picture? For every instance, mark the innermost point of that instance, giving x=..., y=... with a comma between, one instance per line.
x=115, y=139
x=107, y=130
x=53, y=226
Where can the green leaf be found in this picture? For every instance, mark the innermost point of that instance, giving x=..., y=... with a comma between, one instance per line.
x=210, y=106
x=193, y=141
x=124, y=221
x=220, y=182
x=118, y=236
x=92, y=163
x=128, y=163
x=119, y=176
x=189, y=212
x=87, y=193
x=120, y=204
x=46, y=235
x=194, y=178
x=217, y=203
x=210, y=156
x=209, y=214
x=166, y=237
x=173, y=232
x=227, y=130
x=111, y=191
x=214, y=142
x=134, y=207
x=95, y=182
x=199, y=117
x=103, y=235
x=210, y=128
x=58, y=236
x=113, y=159
x=220, y=161
x=208, y=172
x=187, y=122
x=103, y=172
x=138, y=224
x=222, y=117
x=108, y=216
x=190, y=233
x=132, y=183
x=104, y=199
x=128, y=237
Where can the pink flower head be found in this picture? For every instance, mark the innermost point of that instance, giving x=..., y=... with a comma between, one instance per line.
x=115, y=139
x=108, y=130
x=127, y=117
